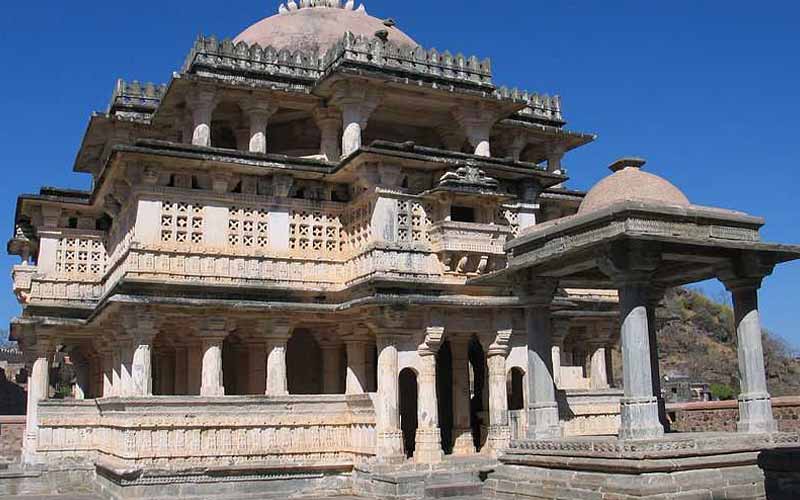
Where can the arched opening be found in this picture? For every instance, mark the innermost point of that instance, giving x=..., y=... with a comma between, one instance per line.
x=303, y=362
x=516, y=394
x=444, y=395
x=478, y=404
x=408, y=410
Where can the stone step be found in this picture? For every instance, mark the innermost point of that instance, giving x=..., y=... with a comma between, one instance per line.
x=454, y=490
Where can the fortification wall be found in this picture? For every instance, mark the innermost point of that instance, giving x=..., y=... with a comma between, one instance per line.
x=721, y=416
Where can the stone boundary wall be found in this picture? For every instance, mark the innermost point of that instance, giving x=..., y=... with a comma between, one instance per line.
x=721, y=416
x=12, y=429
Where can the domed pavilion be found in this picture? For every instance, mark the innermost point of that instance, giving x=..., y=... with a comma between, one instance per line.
x=325, y=260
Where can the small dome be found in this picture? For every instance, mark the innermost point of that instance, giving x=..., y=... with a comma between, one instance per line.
x=630, y=183
x=310, y=28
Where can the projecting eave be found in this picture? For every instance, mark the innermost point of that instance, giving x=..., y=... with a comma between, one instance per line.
x=692, y=244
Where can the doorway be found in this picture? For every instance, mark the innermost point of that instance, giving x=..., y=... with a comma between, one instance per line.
x=409, y=393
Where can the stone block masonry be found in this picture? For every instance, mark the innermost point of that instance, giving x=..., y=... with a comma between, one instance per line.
x=12, y=428
x=721, y=416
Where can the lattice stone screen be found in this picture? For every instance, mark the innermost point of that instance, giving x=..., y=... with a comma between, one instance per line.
x=358, y=226
x=80, y=256
x=248, y=227
x=413, y=221
x=316, y=233
x=506, y=216
x=181, y=223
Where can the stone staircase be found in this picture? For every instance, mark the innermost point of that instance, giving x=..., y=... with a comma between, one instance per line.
x=453, y=479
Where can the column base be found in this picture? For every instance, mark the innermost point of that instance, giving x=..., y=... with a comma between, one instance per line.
x=428, y=446
x=212, y=392
x=498, y=439
x=755, y=414
x=390, y=446
x=639, y=419
x=543, y=421
x=463, y=443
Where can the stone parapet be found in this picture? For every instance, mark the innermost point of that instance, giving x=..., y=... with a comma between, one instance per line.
x=184, y=431
x=721, y=416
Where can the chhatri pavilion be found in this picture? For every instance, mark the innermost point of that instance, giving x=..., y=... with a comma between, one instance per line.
x=325, y=259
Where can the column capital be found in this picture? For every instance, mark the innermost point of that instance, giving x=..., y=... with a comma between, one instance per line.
x=327, y=117
x=202, y=98
x=258, y=106
x=630, y=263
x=277, y=330
x=501, y=345
x=213, y=329
x=560, y=329
x=434, y=335
x=533, y=290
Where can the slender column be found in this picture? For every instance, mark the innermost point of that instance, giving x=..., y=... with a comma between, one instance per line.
x=639, y=407
x=429, y=439
x=181, y=371
x=357, y=101
x=610, y=366
x=38, y=390
x=116, y=374
x=543, y=420
x=356, y=366
x=213, y=334
x=201, y=103
x=329, y=122
x=277, y=378
x=390, y=436
x=598, y=372
x=462, y=431
x=476, y=123
x=499, y=430
x=755, y=402
x=257, y=365
x=142, y=357
x=331, y=367
x=259, y=112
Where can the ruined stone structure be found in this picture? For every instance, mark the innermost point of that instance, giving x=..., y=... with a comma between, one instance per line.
x=316, y=252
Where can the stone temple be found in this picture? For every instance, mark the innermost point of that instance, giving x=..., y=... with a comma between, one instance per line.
x=323, y=260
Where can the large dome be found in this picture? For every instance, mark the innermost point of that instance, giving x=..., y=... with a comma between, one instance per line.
x=629, y=182
x=317, y=28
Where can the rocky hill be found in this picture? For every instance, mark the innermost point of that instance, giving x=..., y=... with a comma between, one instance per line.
x=697, y=338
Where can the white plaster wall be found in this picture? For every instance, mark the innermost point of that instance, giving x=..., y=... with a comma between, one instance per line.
x=148, y=222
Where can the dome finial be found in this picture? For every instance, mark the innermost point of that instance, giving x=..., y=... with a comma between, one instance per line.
x=627, y=162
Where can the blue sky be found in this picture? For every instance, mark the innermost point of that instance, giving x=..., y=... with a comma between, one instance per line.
x=706, y=91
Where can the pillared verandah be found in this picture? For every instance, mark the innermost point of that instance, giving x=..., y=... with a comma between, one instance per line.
x=321, y=246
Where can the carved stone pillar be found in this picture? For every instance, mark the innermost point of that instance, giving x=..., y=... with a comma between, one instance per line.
x=81, y=366
x=639, y=407
x=390, y=437
x=38, y=390
x=116, y=373
x=277, y=378
x=543, y=422
x=463, y=443
x=654, y=298
x=357, y=101
x=755, y=402
x=598, y=373
x=166, y=371
x=213, y=334
x=356, y=365
x=329, y=121
x=258, y=111
x=499, y=430
x=476, y=122
x=194, y=368
x=428, y=438
x=143, y=334
x=201, y=103
x=125, y=364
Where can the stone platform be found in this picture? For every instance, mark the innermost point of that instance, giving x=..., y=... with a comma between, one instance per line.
x=678, y=466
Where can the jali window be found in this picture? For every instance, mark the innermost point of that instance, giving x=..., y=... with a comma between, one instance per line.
x=181, y=223
x=316, y=233
x=248, y=227
x=80, y=256
x=413, y=221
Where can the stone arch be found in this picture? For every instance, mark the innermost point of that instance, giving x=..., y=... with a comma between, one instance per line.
x=303, y=362
x=409, y=404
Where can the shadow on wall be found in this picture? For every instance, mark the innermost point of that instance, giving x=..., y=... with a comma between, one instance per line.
x=781, y=473
x=13, y=398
